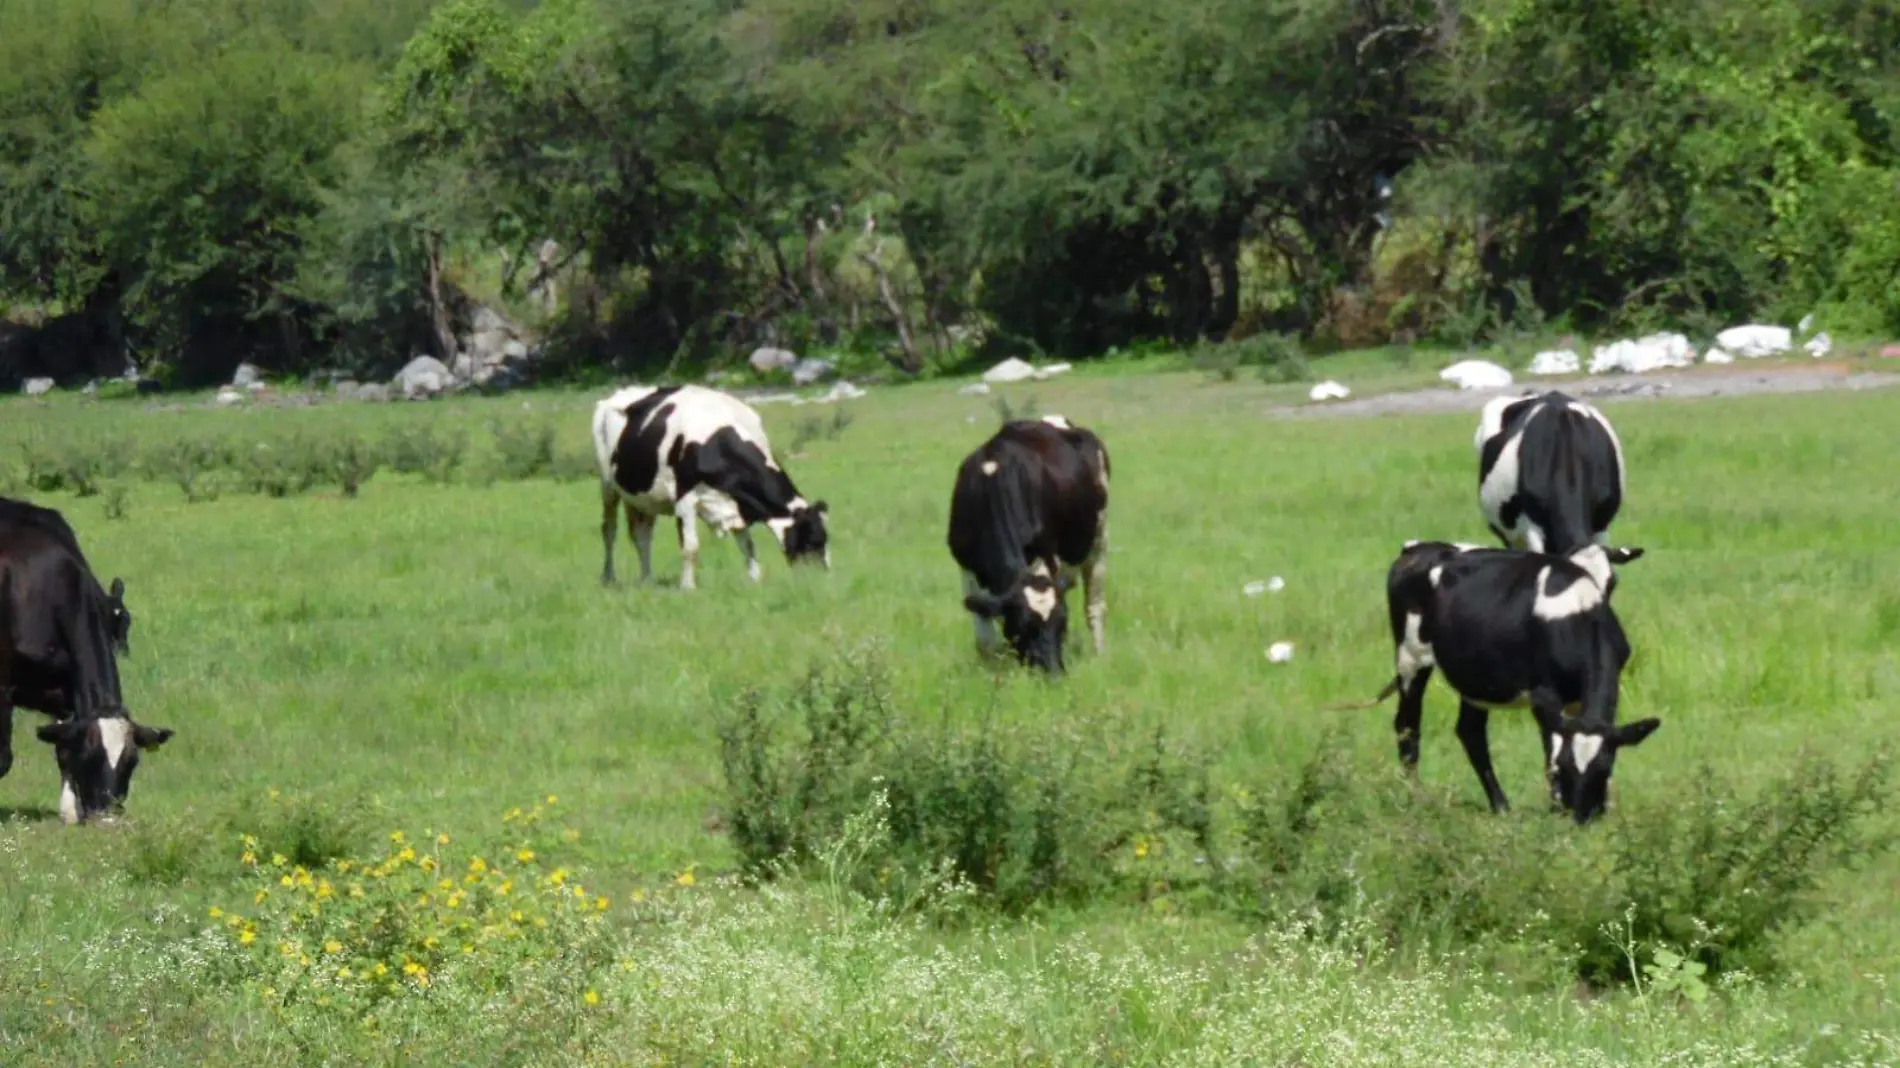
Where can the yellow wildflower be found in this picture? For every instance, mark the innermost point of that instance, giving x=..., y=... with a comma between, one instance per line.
x=261, y=895
x=525, y=855
x=381, y=969
x=396, y=837
x=477, y=865
x=325, y=890
x=552, y=799
x=445, y=884
x=343, y=866
x=343, y=972
x=685, y=878
x=216, y=912
x=408, y=853
x=591, y=998
x=284, y=881
x=1141, y=848
x=559, y=877
x=455, y=900
x=274, y=793
x=333, y=946
x=278, y=860
x=506, y=885
x=515, y=915
x=249, y=859
x=442, y=839
x=411, y=968
x=600, y=904
x=247, y=938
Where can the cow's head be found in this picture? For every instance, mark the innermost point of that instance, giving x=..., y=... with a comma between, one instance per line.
x=1582, y=758
x=1601, y=561
x=1034, y=618
x=96, y=760
x=118, y=618
x=805, y=538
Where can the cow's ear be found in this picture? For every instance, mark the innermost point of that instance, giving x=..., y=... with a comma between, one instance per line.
x=1624, y=554
x=820, y=507
x=1633, y=733
x=59, y=731
x=984, y=605
x=118, y=587
x=151, y=737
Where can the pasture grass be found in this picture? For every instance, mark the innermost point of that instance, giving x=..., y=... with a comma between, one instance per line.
x=435, y=651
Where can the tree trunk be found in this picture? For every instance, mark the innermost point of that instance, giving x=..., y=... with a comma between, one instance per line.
x=438, y=308
x=812, y=277
x=913, y=363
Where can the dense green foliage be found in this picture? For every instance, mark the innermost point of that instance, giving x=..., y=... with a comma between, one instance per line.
x=312, y=185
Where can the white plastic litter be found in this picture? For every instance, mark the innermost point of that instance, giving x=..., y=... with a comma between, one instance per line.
x=975, y=389
x=1806, y=324
x=1044, y=374
x=1476, y=374
x=1257, y=587
x=1754, y=341
x=1329, y=390
x=1280, y=652
x=1717, y=354
x=1556, y=362
x=1010, y=370
x=1819, y=345
x=1656, y=352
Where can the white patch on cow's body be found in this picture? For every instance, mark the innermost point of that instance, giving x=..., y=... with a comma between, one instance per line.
x=1409, y=542
x=1414, y=654
x=1040, y=568
x=68, y=802
x=1500, y=484
x=1584, y=749
x=1041, y=602
x=1595, y=560
x=1436, y=574
x=989, y=467
x=779, y=528
x=1491, y=420
x=1056, y=421
x=1577, y=598
x=115, y=735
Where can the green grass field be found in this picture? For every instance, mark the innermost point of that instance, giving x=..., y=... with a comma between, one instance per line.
x=426, y=657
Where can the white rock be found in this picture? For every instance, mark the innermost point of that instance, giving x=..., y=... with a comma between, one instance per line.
x=775, y=398
x=256, y=387
x=810, y=370
x=1010, y=370
x=1819, y=345
x=1044, y=374
x=771, y=359
x=1476, y=374
x=1653, y=353
x=1257, y=587
x=1754, y=341
x=514, y=350
x=1280, y=652
x=975, y=389
x=33, y=387
x=229, y=396
x=245, y=375
x=424, y=376
x=1555, y=362
x=840, y=391
x=1716, y=354
x=1329, y=390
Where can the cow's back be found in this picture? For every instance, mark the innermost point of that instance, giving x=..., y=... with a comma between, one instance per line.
x=1036, y=489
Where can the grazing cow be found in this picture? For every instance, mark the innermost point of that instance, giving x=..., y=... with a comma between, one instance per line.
x=54, y=626
x=697, y=453
x=14, y=513
x=1550, y=472
x=1028, y=502
x=1515, y=629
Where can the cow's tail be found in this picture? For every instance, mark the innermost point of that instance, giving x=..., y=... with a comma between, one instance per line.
x=1391, y=688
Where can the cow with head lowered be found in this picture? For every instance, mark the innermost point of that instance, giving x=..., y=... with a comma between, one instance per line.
x=57, y=638
x=1516, y=629
x=1550, y=472
x=697, y=453
x=1030, y=504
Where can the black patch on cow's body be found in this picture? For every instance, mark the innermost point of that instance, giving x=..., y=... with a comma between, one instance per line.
x=737, y=468
x=1569, y=479
x=636, y=463
x=1475, y=612
x=18, y=515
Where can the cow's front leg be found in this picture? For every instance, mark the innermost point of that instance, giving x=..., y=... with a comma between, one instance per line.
x=689, y=543
x=609, y=530
x=642, y=526
x=1095, y=591
x=1548, y=713
x=744, y=538
x=985, y=629
x=6, y=733
x=1474, y=730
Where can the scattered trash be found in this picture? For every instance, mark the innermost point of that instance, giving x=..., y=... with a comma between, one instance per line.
x=1476, y=374
x=1806, y=324
x=1280, y=652
x=1258, y=587
x=840, y=391
x=1653, y=353
x=1010, y=370
x=1819, y=345
x=1755, y=341
x=1555, y=362
x=975, y=389
x=34, y=387
x=1717, y=355
x=1329, y=390
x=1044, y=374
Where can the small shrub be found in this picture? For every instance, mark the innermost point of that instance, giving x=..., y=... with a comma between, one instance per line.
x=523, y=450
x=1274, y=357
x=352, y=462
x=62, y=465
x=116, y=500
x=283, y=469
x=193, y=466
x=421, y=450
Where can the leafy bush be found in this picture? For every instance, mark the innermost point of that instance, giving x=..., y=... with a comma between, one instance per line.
x=420, y=449
x=193, y=465
x=352, y=462
x=523, y=449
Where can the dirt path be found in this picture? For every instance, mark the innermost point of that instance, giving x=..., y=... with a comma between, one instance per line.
x=1727, y=381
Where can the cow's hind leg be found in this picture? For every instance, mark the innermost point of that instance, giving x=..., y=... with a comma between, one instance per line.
x=1474, y=730
x=744, y=539
x=985, y=630
x=642, y=526
x=609, y=530
x=1405, y=723
x=1548, y=713
x=1094, y=589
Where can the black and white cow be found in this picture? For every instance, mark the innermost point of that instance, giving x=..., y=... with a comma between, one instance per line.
x=697, y=453
x=1516, y=629
x=1550, y=472
x=1030, y=501
x=56, y=635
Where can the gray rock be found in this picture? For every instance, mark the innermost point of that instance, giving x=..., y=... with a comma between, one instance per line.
x=373, y=392
x=464, y=365
x=975, y=389
x=488, y=320
x=771, y=359
x=1010, y=370
x=256, y=386
x=246, y=375
x=33, y=387
x=810, y=370
x=346, y=388
x=423, y=377
x=514, y=350
x=90, y=387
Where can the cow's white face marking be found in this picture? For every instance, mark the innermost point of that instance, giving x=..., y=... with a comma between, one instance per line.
x=1041, y=602
x=68, y=803
x=1056, y=421
x=989, y=467
x=1584, y=749
x=1414, y=654
x=1595, y=560
x=1040, y=568
x=779, y=528
x=1436, y=574
x=115, y=735
x=1576, y=599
